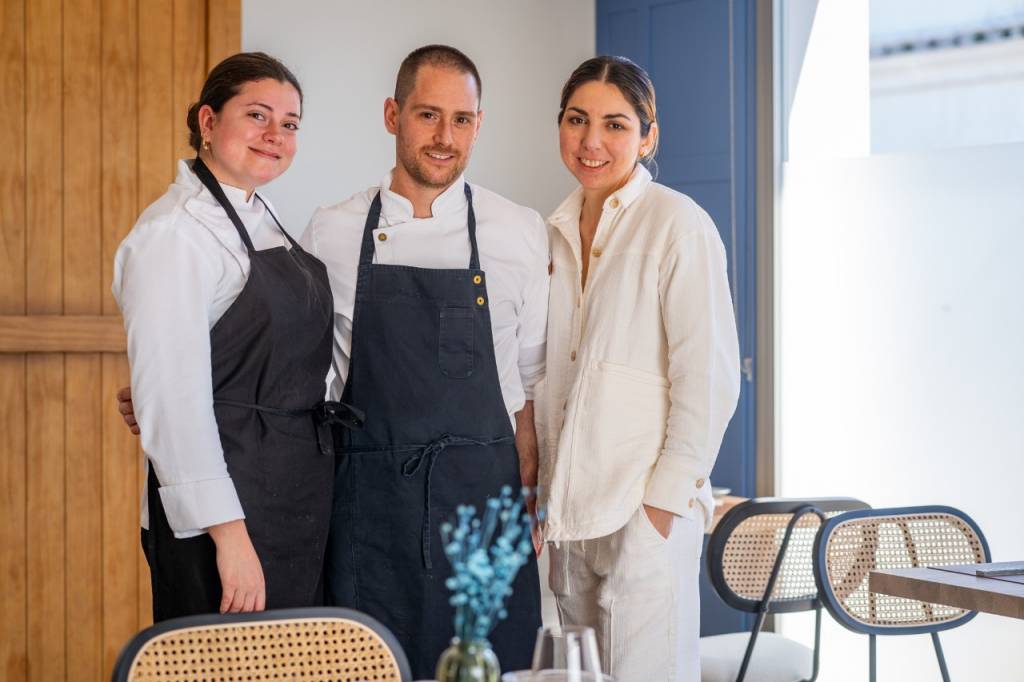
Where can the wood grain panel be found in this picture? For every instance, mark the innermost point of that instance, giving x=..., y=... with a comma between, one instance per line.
x=13, y=537
x=43, y=163
x=119, y=134
x=81, y=151
x=120, y=515
x=13, y=558
x=45, y=504
x=44, y=427
x=84, y=504
x=61, y=333
x=12, y=161
x=223, y=30
x=82, y=295
x=121, y=166
x=156, y=105
x=189, y=66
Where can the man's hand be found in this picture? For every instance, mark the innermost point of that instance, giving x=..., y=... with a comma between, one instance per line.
x=127, y=409
x=526, y=445
x=660, y=519
x=241, y=574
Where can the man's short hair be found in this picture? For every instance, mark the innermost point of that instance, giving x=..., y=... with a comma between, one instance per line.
x=433, y=55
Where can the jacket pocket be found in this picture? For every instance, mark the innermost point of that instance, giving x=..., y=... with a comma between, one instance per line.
x=618, y=434
x=456, y=342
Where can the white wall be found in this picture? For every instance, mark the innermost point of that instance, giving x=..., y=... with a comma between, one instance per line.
x=900, y=323
x=346, y=55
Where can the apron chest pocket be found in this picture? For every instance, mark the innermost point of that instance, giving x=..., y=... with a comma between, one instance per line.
x=455, y=343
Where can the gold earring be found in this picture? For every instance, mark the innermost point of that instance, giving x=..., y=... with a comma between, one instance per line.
x=206, y=145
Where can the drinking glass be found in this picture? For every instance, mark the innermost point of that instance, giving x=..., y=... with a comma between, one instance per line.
x=563, y=655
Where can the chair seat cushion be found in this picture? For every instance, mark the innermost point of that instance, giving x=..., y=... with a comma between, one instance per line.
x=775, y=659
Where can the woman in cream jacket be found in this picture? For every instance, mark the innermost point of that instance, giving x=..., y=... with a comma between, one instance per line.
x=642, y=379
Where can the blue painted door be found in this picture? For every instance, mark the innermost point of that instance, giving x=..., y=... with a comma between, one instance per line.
x=700, y=54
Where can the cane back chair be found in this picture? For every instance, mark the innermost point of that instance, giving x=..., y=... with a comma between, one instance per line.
x=852, y=545
x=314, y=644
x=759, y=561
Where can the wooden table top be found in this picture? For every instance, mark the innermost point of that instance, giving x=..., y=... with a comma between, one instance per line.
x=990, y=595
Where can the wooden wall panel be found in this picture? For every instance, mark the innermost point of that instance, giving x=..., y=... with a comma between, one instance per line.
x=43, y=168
x=44, y=426
x=223, y=30
x=189, y=67
x=44, y=430
x=13, y=509
x=82, y=220
x=12, y=161
x=156, y=104
x=120, y=161
x=95, y=97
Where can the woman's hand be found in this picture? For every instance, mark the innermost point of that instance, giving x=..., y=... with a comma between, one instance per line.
x=127, y=409
x=660, y=519
x=241, y=574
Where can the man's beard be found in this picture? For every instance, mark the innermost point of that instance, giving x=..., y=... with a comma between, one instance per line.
x=414, y=166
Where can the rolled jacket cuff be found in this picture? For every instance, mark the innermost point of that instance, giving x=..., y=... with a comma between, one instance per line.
x=675, y=488
x=197, y=505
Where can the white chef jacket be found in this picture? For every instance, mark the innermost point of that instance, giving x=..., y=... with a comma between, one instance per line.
x=643, y=368
x=179, y=269
x=513, y=245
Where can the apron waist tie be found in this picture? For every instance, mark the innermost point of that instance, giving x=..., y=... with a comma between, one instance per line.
x=428, y=454
x=324, y=413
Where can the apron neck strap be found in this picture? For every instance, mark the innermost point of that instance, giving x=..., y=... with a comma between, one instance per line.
x=205, y=176
x=373, y=222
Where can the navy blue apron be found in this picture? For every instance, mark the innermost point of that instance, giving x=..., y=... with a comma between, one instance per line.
x=437, y=436
x=270, y=352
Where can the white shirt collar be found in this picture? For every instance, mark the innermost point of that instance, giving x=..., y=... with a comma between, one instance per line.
x=236, y=196
x=568, y=213
x=397, y=209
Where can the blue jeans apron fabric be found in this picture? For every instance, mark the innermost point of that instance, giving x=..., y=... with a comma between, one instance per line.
x=270, y=352
x=437, y=435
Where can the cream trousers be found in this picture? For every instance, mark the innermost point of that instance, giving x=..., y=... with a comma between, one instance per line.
x=639, y=592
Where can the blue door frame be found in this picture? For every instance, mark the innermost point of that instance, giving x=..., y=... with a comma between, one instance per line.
x=700, y=55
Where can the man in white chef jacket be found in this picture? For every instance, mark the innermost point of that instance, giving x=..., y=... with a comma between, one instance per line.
x=457, y=400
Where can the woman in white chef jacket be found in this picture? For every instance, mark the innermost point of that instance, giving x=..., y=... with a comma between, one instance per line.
x=642, y=379
x=229, y=341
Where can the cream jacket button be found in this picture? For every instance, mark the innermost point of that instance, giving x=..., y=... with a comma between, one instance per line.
x=382, y=237
x=596, y=253
x=692, y=502
x=700, y=482
x=614, y=203
x=572, y=356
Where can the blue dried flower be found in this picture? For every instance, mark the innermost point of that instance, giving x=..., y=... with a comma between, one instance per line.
x=486, y=555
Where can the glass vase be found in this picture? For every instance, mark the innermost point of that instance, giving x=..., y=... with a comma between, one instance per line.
x=469, y=661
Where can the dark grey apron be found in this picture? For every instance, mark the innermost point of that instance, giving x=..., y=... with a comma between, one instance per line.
x=437, y=435
x=270, y=352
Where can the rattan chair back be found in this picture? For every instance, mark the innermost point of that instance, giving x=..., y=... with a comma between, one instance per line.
x=745, y=544
x=319, y=644
x=851, y=545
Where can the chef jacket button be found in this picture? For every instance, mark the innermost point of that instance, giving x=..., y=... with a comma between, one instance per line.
x=477, y=279
x=596, y=253
x=382, y=237
x=572, y=356
x=480, y=300
x=692, y=502
x=614, y=203
x=700, y=482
